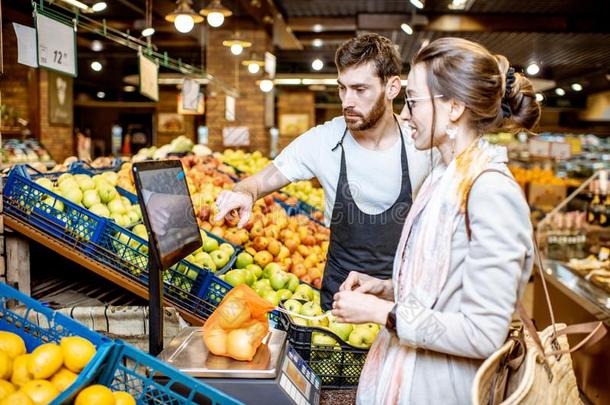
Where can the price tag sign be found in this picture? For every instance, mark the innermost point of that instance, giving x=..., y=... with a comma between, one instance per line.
x=56, y=45
x=561, y=150
x=149, y=78
x=539, y=148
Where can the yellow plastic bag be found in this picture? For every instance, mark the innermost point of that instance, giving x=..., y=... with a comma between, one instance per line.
x=239, y=324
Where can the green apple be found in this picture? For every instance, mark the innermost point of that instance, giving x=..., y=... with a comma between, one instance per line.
x=321, y=339
x=55, y=203
x=235, y=277
x=320, y=323
x=262, y=284
x=98, y=178
x=90, y=198
x=192, y=274
x=100, y=210
x=220, y=258
x=340, y=329
x=372, y=326
x=284, y=294
x=222, y=277
x=137, y=210
x=120, y=219
x=244, y=259
x=227, y=247
x=278, y=280
x=250, y=279
x=111, y=177
x=316, y=296
x=126, y=202
x=361, y=337
x=210, y=244
x=106, y=191
x=293, y=305
x=205, y=260
x=271, y=296
x=299, y=321
x=133, y=217
x=293, y=282
x=85, y=183
x=72, y=194
x=141, y=231
x=303, y=291
x=64, y=177
x=270, y=269
x=311, y=309
x=116, y=206
x=44, y=182
x=255, y=269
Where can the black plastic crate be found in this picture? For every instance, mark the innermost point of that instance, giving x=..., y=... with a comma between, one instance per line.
x=337, y=366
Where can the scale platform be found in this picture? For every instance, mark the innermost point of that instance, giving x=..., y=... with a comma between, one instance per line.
x=276, y=374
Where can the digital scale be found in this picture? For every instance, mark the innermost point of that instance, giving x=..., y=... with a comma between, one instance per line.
x=276, y=374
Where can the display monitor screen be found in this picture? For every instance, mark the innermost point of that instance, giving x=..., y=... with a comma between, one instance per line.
x=167, y=210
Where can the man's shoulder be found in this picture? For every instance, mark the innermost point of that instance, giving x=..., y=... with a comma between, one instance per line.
x=328, y=133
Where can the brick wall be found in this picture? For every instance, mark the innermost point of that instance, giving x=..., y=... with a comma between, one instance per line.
x=295, y=102
x=58, y=140
x=250, y=106
x=168, y=102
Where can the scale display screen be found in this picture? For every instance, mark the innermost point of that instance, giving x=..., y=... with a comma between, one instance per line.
x=167, y=209
x=298, y=380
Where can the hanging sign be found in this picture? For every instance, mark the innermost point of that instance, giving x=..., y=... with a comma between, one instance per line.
x=190, y=95
x=149, y=78
x=270, y=62
x=56, y=45
x=26, y=45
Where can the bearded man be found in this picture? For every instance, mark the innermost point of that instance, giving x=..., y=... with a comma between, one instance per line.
x=364, y=160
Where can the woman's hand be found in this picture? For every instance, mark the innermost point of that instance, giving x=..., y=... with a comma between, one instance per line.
x=357, y=307
x=364, y=283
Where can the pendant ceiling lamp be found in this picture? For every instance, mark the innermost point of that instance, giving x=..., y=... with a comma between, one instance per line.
x=183, y=17
x=215, y=13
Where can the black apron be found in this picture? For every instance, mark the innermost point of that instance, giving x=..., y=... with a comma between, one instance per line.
x=359, y=241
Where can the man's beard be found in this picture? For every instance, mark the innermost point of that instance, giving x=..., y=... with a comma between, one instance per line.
x=371, y=119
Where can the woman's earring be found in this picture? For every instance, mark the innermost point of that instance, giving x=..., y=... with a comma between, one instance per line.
x=451, y=132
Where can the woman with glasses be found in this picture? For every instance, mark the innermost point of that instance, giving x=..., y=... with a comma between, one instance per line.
x=466, y=249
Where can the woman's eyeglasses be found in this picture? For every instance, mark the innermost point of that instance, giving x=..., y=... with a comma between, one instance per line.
x=410, y=101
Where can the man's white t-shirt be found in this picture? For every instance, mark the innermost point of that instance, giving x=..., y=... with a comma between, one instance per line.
x=374, y=176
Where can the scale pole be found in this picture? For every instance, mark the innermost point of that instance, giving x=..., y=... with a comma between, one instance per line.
x=155, y=311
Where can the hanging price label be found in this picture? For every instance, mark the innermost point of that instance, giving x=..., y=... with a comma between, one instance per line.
x=56, y=45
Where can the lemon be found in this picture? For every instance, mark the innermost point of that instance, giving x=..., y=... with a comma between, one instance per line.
x=6, y=366
x=123, y=398
x=41, y=392
x=45, y=360
x=11, y=344
x=6, y=388
x=77, y=352
x=95, y=395
x=21, y=375
x=17, y=398
x=63, y=379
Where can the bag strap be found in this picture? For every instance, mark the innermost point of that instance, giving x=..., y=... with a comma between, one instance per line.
x=595, y=330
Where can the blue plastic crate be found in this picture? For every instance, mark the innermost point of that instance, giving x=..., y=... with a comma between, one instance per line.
x=308, y=210
x=115, y=166
x=150, y=381
x=49, y=212
x=37, y=325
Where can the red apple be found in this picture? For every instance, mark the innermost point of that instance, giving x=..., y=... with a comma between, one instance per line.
x=274, y=246
x=260, y=243
x=263, y=258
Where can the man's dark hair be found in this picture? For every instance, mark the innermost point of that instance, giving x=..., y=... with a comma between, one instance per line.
x=370, y=48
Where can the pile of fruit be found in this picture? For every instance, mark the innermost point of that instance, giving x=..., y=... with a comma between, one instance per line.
x=270, y=283
x=40, y=376
x=251, y=163
x=98, y=194
x=537, y=175
x=360, y=336
x=211, y=255
x=296, y=243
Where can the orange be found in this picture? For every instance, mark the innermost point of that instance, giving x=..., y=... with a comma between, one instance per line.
x=6, y=366
x=41, y=392
x=77, y=352
x=95, y=395
x=17, y=398
x=21, y=375
x=123, y=398
x=45, y=361
x=11, y=344
x=63, y=379
x=6, y=388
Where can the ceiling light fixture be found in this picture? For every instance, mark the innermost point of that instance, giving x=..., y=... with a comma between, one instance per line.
x=406, y=28
x=539, y=97
x=254, y=65
x=237, y=44
x=96, y=45
x=317, y=42
x=317, y=28
x=215, y=13
x=99, y=6
x=96, y=66
x=266, y=85
x=183, y=17
x=77, y=4
x=317, y=64
x=418, y=3
x=101, y=94
x=129, y=88
x=576, y=86
x=254, y=68
x=532, y=69
x=560, y=92
x=149, y=30
x=460, y=4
